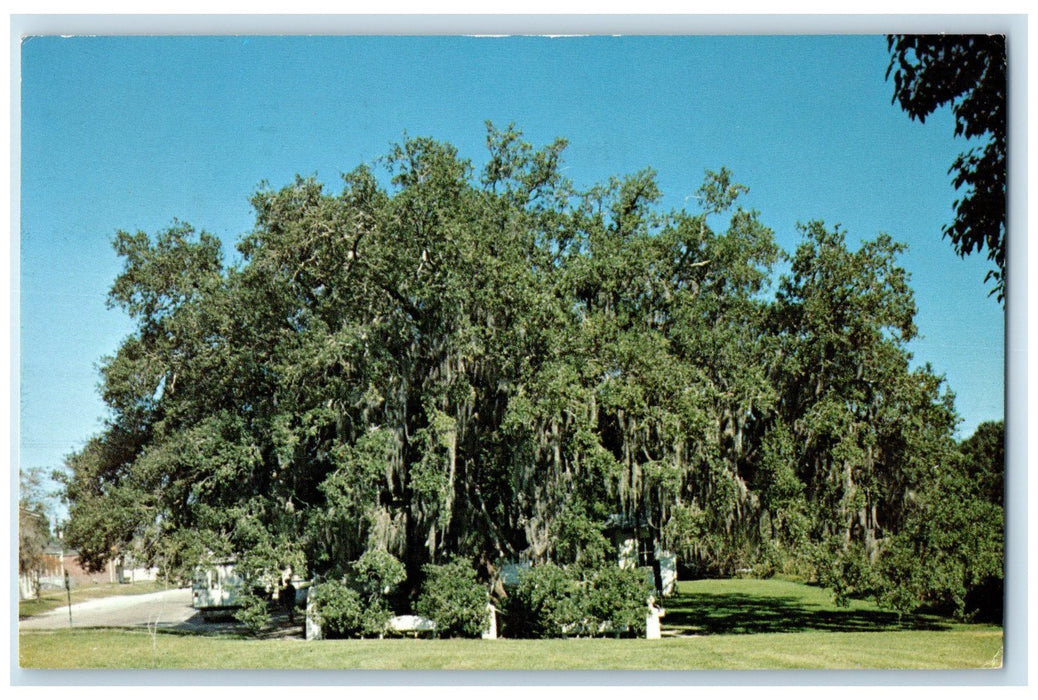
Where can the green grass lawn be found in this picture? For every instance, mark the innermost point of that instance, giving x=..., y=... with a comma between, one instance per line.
x=732, y=624
x=57, y=598
x=755, y=606
x=119, y=649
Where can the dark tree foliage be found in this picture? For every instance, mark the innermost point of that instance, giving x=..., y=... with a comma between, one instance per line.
x=447, y=365
x=949, y=554
x=969, y=73
x=985, y=455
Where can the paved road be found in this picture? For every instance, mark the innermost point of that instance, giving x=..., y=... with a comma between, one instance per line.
x=168, y=609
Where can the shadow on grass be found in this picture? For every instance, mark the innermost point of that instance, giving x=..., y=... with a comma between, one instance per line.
x=278, y=627
x=737, y=613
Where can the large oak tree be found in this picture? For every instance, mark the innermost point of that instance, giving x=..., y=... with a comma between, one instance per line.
x=438, y=362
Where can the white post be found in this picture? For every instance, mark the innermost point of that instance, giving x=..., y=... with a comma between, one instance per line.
x=491, y=631
x=313, y=628
x=652, y=620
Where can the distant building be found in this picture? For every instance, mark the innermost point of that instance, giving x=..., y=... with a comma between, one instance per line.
x=57, y=560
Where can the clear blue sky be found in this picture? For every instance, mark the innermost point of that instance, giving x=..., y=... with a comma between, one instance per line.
x=130, y=133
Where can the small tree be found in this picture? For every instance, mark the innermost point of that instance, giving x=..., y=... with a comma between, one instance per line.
x=254, y=612
x=454, y=599
x=33, y=528
x=377, y=572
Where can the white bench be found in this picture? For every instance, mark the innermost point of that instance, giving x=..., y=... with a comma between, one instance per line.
x=413, y=624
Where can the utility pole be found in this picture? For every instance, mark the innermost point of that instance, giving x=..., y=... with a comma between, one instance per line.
x=68, y=592
x=68, y=583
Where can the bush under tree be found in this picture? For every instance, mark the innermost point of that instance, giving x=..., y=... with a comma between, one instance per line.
x=453, y=597
x=571, y=601
x=357, y=604
x=618, y=599
x=338, y=609
x=547, y=600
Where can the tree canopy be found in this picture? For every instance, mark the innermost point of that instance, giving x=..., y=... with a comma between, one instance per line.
x=444, y=363
x=967, y=72
x=33, y=525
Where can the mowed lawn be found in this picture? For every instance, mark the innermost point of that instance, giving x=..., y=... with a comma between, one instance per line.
x=729, y=624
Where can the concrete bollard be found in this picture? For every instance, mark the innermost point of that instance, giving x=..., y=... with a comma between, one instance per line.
x=491, y=631
x=313, y=627
x=652, y=620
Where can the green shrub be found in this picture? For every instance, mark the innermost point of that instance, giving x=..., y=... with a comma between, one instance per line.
x=355, y=605
x=548, y=602
x=338, y=609
x=618, y=599
x=454, y=599
x=554, y=601
x=254, y=612
x=375, y=619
